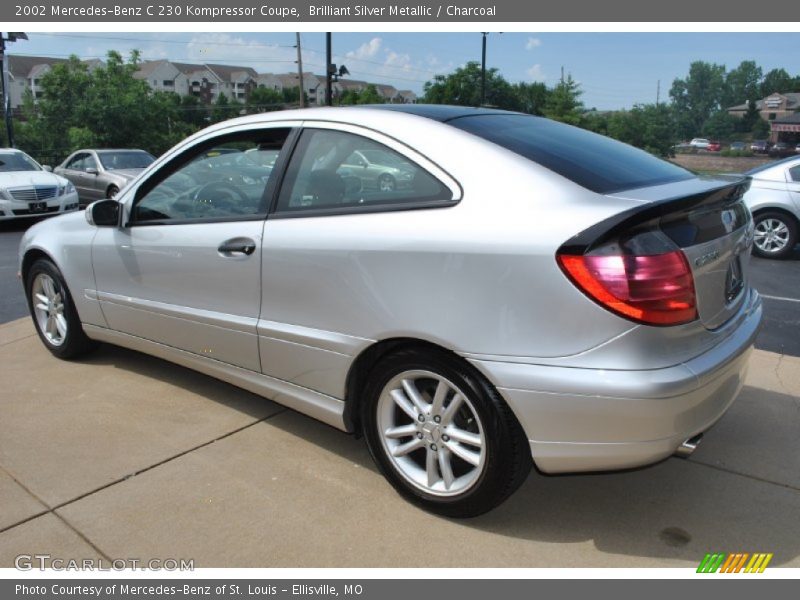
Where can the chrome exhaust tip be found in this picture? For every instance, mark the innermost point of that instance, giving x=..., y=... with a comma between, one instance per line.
x=689, y=446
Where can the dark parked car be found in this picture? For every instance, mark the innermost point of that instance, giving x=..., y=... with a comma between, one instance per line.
x=782, y=150
x=760, y=146
x=738, y=146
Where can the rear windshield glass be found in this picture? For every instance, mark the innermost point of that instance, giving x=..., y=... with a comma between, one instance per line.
x=593, y=161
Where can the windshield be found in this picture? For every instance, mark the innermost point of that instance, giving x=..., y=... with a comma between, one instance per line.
x=17, y=161
x=125, y=160
x=593, y=161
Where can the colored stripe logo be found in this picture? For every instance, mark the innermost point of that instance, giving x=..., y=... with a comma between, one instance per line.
x=738, y=562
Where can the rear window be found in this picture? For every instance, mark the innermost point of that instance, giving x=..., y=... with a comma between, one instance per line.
x=593, y=161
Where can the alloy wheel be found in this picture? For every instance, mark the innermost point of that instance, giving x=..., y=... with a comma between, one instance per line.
x=771, y=235
x=48, y=307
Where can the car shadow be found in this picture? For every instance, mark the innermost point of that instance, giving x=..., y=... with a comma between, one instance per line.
x=678, y=509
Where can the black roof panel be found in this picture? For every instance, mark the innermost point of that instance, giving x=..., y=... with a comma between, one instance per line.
x=437, y=112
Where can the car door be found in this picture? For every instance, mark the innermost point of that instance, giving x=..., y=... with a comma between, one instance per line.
x=793, y=184
x=91, y=169
x=74, y=170
x=185, y=269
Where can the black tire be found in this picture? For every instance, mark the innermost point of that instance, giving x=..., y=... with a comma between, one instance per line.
x=791, y=227
x=112, y=192
x=507, y=460
x=386, y=183
x=75, y=343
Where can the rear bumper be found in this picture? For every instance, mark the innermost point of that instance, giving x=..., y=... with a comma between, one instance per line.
x=594, y=419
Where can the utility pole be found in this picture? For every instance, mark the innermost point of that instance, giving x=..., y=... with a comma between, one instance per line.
x=483, y=69
x=300, y=72
x=328, y=63
x=562, y=74
x=658, y=92
x=12, y=37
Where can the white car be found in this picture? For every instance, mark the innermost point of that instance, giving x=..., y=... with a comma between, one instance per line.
x=28, y=190
x=699, y=143
x=774, y=200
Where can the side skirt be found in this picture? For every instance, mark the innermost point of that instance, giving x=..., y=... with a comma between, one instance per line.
x=324, y=408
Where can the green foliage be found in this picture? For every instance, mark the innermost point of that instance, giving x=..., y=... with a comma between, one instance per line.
x=563, y=102
x=368, y=95
x=778, y=80
x=531, y=97
x=462, y=87
x=720, y=125
x=728, y=153
x=223, y=109
x=761, y=129
x=647, y=126
x=263, y=99
x=695, y=98
x=102, y=107
x=742, y=84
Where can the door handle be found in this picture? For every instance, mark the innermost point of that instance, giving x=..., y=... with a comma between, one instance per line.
x=237, y=247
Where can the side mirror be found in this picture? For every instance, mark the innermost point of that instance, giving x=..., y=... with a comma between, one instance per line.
x=91, y=171
x=47, y=168
x=103, y=213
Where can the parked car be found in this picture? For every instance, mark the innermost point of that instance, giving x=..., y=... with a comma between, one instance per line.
x=378, y=169
x=774, y=200
x=738, y=146
x=782, y=150
x=539, y=293
x=760, y=146
x=100, y=174
x=29, y=190
x=714, y=146
x=699, y=143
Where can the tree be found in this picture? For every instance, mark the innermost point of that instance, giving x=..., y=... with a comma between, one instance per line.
x=563, y=102
x=742, y=84
x=264, y=99
x=463, y=87
x=695, y=98
x=647, y=126
x=531, y=97
x=193, y=112
x=720, y=125
x=750, y=117
x=778, y=80
x=223, y=109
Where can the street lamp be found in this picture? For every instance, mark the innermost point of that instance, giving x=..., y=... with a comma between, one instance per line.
x=8, y=37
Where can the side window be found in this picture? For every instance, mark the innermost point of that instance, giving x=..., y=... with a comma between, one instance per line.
x=794, y=173
x=88, y=162
x=222, y=179
x=335, y=170
x=76, y=163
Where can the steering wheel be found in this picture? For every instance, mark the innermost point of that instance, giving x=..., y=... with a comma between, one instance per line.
x=212, y=196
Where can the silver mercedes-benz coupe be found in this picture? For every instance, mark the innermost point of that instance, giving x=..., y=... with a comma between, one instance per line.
x=532, y=293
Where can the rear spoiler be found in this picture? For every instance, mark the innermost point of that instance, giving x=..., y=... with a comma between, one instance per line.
x=671, y=215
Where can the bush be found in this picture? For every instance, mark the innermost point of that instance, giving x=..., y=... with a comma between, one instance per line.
x=736, y=153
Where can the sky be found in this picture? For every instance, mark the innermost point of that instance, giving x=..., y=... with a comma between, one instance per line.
x=615, y=70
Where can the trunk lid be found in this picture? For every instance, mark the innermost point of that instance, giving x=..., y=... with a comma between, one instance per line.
x=707, y=219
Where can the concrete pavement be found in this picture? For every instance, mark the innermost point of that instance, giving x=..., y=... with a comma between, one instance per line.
x=125, y=456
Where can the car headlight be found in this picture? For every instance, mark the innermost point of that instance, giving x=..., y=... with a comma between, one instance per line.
x=68, y=188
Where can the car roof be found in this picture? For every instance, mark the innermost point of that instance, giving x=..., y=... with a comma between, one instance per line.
x=438, y=112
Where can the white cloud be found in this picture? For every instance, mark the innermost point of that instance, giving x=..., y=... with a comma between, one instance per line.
x=532, y=43
x=395, y=59
x=366, y=50
x=536, y=72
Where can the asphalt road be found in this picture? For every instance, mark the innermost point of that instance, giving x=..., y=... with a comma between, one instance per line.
x=778, y=281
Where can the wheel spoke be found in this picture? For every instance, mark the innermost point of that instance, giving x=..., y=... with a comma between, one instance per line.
x=47, y=285
x=51, y=326
x=41, y=298
x=445, y=467
x=61, y=325
x=469, y=456
x=438, y=398
x=401, y=431
x=404, y=449
x=459, y=435
x=431, y=463
x=401, y=401
x=452, y=409
x=415, y=397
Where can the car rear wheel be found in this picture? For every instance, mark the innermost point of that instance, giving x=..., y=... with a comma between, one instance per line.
x=53, y=311
x=387, y=183
x=775, y=235
x=441, y=434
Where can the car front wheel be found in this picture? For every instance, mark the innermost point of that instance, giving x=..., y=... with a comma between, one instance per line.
x=775, y=235
x=441, y=434
x=53, y=312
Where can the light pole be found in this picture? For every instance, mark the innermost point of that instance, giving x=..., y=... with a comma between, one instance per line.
x=12, y=37
x=483, y=68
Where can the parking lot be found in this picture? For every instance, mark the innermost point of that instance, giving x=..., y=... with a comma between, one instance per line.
x=123, y=456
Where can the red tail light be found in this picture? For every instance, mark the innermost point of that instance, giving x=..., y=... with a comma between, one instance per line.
x=653, y=289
